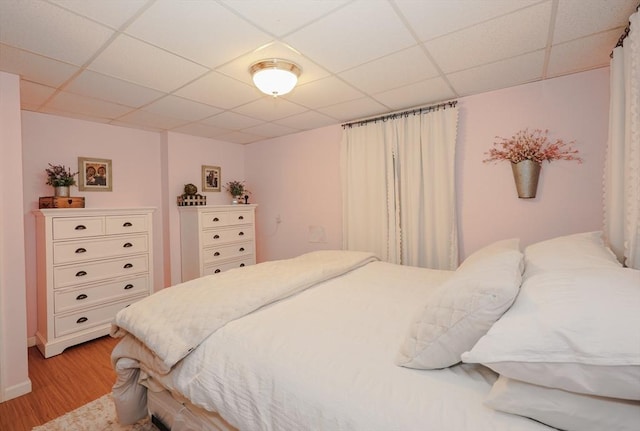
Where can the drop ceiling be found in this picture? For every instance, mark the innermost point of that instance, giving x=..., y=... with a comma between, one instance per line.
x=183, y=66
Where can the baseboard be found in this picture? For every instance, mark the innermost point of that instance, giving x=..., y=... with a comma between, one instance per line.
x=31, y=341
x=16, y=391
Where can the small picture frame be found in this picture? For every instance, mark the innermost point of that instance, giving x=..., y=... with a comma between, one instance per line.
x=211, y=178
x=94, y=175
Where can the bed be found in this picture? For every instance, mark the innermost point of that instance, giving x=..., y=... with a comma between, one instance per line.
x=338, y=340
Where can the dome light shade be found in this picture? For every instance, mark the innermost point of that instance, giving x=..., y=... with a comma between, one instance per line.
x=275, y=77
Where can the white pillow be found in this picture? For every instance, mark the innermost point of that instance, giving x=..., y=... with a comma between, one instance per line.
x=564, y=410
x=576, y=330
x=581, y=250
x=464, y=307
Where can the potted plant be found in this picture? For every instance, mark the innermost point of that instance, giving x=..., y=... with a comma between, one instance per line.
x=61, y=178
x=526, y=151
x=238, y=191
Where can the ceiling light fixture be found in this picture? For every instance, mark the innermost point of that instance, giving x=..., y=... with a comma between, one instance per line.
x=275, y=77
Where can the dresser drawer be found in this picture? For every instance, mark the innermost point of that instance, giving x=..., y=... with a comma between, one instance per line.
x=213, y=254
x=88, y=296
x=85, y=319
x=214, y=219
x=68, y=228
x=76, y=251
x=224, y=266
x=222, y=236
x=71, y=275
x=126, y=224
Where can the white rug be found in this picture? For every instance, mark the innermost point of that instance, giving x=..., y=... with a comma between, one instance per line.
x=98, y=415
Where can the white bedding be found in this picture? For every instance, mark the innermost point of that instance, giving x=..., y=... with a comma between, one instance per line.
x=254, y=372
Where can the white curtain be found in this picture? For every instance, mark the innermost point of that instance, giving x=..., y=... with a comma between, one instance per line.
x=622, y=169
x=399, y=188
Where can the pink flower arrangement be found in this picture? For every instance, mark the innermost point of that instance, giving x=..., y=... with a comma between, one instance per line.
x=535, y=146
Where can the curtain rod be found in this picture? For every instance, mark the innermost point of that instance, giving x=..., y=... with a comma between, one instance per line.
x=394, y=115
x=624, y=34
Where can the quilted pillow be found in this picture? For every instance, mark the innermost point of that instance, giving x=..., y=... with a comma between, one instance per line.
x=575, y=330
x=564, y=410
x=464, y=307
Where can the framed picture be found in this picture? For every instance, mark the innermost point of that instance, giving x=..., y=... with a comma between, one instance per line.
x=211, y=178
x=94, y=175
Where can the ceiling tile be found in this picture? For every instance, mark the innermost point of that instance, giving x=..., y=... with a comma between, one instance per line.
x=113, y=14
x=177, y=107
x=45, y=29
x=231, y=120
x=64, y=101
x=33, y=67
x=280, y=17
x=307, y=121
x=199, y=31
x=395, y=70
x=578, y=18
x=420, y=94
x=241, y=138
x=355, y=109
x=430, y=19
x=149, y=119
x=324, y=92
x=582, y=54
x=524, y=35
x=105, y=87
x=346, y=37
x=138, y=62
x=219, y=90
x=501, y=74
x=33, y=94
x=270, y=130
x=200, y=129
x=270, y=108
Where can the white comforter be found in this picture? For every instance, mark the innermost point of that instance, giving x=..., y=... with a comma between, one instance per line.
x=175, y=321
x=324, y=360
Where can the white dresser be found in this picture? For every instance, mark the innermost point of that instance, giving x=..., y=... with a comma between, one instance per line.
x=216, y=238
x=91, y=264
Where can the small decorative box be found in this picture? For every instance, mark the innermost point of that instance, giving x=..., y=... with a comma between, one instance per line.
x=61, y=202
x=191, y=200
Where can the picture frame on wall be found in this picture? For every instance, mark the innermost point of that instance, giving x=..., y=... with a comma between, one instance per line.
x=94, y=175
x=211, y=178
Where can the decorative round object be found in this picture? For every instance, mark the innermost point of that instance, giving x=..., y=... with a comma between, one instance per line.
x=190, y=189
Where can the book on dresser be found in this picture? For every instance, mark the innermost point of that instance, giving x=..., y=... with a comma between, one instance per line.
x=215, y=238
x=91, y=263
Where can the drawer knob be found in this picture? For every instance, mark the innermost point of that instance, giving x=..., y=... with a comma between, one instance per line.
x=127, y=245
x=241, y=249
x=128, y=286
x=240, y=233
x=80, y=227
x=241, y=265
x=216, y=219
x=216, y=237
x=82, y=320
x=128, y=265
x=217, y=253
x=127, y=224
x=81, y=297
x=81, y=250
x=241, y=218
x=81, y=273
x=216, y=271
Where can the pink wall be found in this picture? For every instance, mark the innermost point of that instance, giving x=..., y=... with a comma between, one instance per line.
x=297, y=176
x=14, y=376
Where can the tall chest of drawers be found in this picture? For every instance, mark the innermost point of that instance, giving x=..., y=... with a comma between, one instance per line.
x=216, y=238
x=91, y=264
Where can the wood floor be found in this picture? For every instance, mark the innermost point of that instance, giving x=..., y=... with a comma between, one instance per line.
x=60, y=384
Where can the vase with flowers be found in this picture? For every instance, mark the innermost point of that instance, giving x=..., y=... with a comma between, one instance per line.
x=238, y=191
x=526, y=151
x=61, y=178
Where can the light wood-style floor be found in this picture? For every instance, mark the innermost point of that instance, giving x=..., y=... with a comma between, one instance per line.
x=60, y=384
